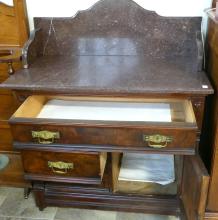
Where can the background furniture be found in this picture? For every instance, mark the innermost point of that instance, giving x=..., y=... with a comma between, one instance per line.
x=13, y=35
x=209, y=143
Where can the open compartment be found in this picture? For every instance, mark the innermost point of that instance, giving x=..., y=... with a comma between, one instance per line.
x=146, y=174
x=97, y=109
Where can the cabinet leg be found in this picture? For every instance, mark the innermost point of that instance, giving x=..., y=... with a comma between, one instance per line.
x=26, y=193
x=41, y=209
x=38, y=190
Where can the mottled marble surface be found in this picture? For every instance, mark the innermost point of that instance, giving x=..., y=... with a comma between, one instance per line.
x=119, y=27
x=116, y=46
x=110, y=74
x=13, y=206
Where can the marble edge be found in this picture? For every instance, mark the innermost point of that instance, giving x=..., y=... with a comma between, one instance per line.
x=102, y=91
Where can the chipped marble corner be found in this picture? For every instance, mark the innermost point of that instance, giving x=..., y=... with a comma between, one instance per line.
x=30, y=50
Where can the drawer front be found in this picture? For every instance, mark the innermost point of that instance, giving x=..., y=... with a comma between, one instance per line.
x=172, y=126
x=64, y=167
x=131, y=137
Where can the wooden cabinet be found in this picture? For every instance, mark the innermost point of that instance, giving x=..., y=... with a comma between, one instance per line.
x=82, y=151
x=96, y=92
x=13, y=34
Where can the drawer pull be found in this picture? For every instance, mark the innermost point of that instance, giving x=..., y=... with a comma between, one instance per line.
x=157, y=141
x=45, y=137
x=61, y=166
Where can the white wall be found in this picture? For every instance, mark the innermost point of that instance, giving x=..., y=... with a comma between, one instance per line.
x=65, y=8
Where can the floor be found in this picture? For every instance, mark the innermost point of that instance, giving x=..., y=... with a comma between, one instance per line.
x=13, y=206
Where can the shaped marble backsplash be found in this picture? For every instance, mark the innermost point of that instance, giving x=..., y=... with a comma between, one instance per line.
x=119, y=27
x=162, y=54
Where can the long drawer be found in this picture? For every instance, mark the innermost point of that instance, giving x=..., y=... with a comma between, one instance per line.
x=136, y=130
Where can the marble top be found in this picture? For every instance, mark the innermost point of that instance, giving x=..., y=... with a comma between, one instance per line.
x=114, y=47
x=110, y=75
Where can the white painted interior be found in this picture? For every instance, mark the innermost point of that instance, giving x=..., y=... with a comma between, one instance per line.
x=148, y=168
x=68, y=8
x=106, y=111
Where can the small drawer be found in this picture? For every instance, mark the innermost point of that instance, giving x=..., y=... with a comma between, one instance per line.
x=123, y=123
x=87, y=168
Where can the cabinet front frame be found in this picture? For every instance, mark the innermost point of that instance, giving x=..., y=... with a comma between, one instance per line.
x=157, y=204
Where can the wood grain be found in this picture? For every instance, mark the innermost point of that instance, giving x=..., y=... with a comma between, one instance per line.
x=85, y=165
x=67, y=195
x=77, y=135
x=212, y=123
x=194, y=187
x=114, y=133
x=14, y=25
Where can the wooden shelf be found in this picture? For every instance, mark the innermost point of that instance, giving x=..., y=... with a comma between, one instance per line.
x=12, y=175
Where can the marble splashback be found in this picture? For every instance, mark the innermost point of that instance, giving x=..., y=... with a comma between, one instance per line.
x=115, y=47
x=120, y=27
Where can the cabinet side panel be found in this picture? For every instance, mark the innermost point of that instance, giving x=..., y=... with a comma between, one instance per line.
x=194, y=187
x=212, y=130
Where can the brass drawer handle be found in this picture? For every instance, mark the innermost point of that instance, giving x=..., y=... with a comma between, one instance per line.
x=45, y=137
x=61, y=166
x=157, y=140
